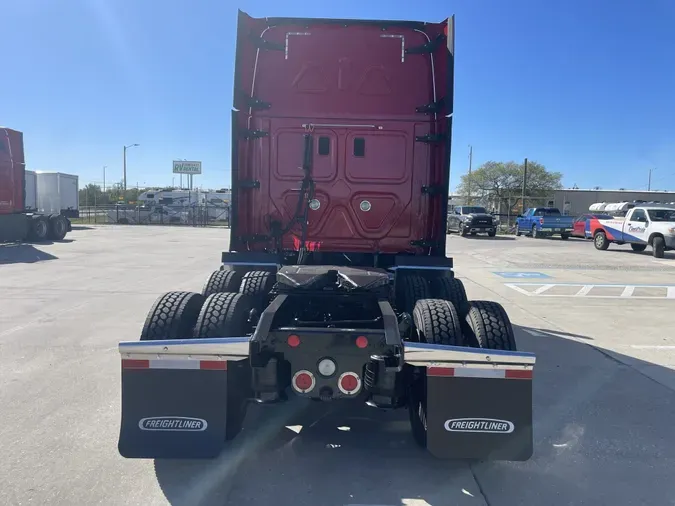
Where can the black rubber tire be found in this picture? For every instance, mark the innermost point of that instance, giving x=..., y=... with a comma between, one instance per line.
x=659, y=247
x=600, y=240
x=257, y=283
x=451, y=289
x=58, y=227
x=39, y=228
x=638, y=247
x=409, y=289
x=564, y=237
x=224, y=315
x=437, y=322
x=492, y=234
x=518, y=232
x=489, y=326
x=462, y=231
x=533, y=233
x=222, y=282
x=172, y=316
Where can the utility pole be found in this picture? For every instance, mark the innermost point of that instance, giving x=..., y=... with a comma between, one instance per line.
x=522, y=196
x=125, y=164
x=104, y=167
x=468, y=190
x=649, y=185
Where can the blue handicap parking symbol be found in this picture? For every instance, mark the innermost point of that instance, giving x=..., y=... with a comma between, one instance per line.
x=522, y=275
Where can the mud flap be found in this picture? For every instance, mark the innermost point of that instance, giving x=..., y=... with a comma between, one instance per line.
x=485, y=418
x=181, y=408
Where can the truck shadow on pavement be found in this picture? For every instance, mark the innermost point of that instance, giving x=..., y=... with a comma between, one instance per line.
x=668, y=255
x=23, y=254
x=603, y=435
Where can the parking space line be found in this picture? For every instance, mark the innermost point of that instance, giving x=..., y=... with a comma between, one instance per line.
x=671, y=292
x=542, y=289
x=628, y=291
x=584, y=291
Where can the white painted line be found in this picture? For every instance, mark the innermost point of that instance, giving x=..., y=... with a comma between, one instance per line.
x=584, y=291
x=628, y=291
x=671, y=292
x=542, y=289
x=651, y=347
x=518, y=289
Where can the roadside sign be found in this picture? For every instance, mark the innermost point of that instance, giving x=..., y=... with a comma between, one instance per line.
x=522, y=274
x=183, y=167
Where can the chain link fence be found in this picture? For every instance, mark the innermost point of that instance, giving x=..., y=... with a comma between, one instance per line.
x=124, y=214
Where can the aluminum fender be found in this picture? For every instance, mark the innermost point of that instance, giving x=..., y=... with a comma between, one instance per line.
x=439, y=355
x=216, y=348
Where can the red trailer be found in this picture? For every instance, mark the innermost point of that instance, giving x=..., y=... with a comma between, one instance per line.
x=16, y=224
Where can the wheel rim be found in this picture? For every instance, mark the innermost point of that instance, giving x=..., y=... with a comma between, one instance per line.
x=599, y=240
x=41, y=229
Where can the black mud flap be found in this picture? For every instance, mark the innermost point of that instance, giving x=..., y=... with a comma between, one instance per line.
x=474, y=417
x=180, y=408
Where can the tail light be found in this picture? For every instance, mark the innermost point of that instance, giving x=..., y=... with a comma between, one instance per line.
x=293, y=341
x=362, y=341
x=541, y=221
x=303, y=381
x=349, y=383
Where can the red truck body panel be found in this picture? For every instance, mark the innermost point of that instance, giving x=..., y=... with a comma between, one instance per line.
x=357, y=86
x=12, y=171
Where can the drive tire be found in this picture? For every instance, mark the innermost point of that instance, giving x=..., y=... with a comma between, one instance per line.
x=58, y=227
x=39, y=229
x=222, y=282
x=227, y=315
x=172, y=316
x=257, y=283
x=492, y=234
x=564, y=237
x=224, y=315
x=488, y=326
x=462, y=231
x=437, y=322
x=451, y=289
x=409, y=289
x=600, y=240
x=659, y=247
x=638, y=247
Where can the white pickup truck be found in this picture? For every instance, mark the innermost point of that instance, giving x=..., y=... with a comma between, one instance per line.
x=643, y=226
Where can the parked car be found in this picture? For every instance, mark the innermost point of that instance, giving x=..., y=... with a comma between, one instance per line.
x=643, y=226
x=582, y=225
x=472, y=220
x=544, y=222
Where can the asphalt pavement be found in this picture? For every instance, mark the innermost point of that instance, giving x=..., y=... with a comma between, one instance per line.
x=604, y=403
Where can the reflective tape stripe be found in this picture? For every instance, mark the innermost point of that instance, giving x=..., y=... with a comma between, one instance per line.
x=470, y=372
x=207, y=365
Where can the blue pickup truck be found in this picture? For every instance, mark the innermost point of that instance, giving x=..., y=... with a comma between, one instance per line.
x=544, y=222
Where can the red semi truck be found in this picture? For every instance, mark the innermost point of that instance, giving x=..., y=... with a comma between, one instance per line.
x=16, y=223
x=336, y=285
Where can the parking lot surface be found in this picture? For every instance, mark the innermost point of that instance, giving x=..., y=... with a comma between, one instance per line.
x=604, y=402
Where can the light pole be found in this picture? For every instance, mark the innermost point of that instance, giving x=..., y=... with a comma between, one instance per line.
x=649, y=184
x=125, y=163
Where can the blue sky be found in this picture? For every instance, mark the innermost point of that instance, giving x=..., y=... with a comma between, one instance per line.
x=585, y=87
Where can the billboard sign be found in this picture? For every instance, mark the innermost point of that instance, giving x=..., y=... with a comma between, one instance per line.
x=183, y=167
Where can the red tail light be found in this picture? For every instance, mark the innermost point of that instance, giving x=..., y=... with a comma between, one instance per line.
x=349, y=383
x=293, y=341
x=303, y=381
x=362, y=341
x=541, y=221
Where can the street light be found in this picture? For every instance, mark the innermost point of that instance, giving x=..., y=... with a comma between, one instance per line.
x=125, y=163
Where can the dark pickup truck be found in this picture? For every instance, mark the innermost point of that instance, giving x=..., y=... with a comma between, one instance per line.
x=472, y=220
x=544, y=222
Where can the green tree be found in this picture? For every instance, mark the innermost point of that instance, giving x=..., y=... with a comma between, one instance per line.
x=496, y=182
